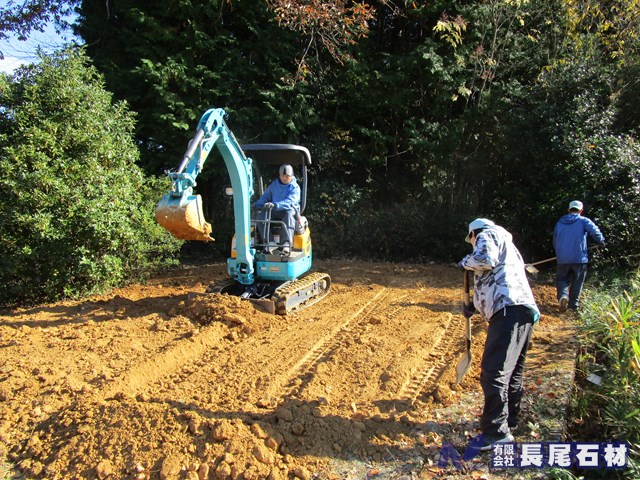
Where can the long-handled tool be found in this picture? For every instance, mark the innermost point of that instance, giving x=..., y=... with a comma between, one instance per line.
x=465, y=360
x=530, y=267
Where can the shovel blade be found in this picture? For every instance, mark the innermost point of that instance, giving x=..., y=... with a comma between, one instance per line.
x=463, y=366
x=183, y=218
x=465, y=360
x=531, y=269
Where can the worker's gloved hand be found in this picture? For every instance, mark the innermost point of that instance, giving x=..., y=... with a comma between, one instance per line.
x=268, y=206
x=461, y=266
x=468, y=310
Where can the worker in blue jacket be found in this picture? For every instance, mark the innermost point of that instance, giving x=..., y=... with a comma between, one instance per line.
x=570, y=242
x=282, y=199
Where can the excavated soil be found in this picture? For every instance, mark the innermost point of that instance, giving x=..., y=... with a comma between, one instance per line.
x=161, y=381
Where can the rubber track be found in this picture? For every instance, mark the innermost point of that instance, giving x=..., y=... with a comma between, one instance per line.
x=282, y=294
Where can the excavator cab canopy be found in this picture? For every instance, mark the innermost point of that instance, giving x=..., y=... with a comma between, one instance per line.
x=267, y=157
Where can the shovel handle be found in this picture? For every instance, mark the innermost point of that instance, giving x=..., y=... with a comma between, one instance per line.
x=467, y=302
x=541, y=261
x=554, y=258
x=466, y=286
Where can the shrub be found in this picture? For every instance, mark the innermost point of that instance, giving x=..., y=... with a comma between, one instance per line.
x=332, y=214
x=346, y=222
x=76, y=214
x=609, y=329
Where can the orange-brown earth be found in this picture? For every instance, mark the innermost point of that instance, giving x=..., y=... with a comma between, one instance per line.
x=153, y=381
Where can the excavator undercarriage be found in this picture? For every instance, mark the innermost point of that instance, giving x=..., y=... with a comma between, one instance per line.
x=277, y=297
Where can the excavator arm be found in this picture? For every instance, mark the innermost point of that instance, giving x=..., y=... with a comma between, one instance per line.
x=180, y=211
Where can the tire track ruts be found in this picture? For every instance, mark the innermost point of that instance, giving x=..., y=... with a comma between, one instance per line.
x=437, y=361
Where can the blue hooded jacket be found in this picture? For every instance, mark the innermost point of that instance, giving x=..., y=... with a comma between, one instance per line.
x=283, y=196
x=570, y=238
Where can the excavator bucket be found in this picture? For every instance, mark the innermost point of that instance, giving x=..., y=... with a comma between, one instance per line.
x=183, y=217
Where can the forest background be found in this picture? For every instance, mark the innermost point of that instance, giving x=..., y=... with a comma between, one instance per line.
x=419, y=117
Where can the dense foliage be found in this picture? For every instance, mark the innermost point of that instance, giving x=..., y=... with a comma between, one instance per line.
x=419, y=120
x=608, y=371
x=442, y=112
x=77, y=212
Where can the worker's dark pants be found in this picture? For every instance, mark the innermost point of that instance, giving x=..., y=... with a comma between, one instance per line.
x=286, y=233
x=502, y=368
x=569, y=281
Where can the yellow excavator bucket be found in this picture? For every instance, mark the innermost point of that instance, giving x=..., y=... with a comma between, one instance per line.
x=183, y=218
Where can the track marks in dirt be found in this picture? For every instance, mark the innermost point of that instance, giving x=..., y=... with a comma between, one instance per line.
x=167, y=362
x=316, y=354
x=287, y=359
x=274, y=364
x=312, y=355
x=403, y=355
x=434, y=362
x=382, y=305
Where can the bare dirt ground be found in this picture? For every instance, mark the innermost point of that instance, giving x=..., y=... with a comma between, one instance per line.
x=151, y=382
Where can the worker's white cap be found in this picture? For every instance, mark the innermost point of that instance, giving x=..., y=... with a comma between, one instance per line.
x=577, y=204
x=286, y=170
x=476, y=224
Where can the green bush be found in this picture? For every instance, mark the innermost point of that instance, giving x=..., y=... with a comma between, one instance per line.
x=332, y=214
x=346, y=222
x=609, y=329
x=76, y=214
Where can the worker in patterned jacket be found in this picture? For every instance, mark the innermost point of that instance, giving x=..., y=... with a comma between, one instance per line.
x=504, y=298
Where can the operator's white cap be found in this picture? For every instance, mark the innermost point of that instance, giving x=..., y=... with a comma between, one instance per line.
x=478, y=223
x=577, y=204
x=286, y=170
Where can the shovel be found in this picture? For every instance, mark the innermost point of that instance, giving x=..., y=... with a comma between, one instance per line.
x=465, y=360
x=530, y=267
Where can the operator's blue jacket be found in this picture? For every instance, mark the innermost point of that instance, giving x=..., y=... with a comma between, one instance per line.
x=283, y=196
x=570, y=238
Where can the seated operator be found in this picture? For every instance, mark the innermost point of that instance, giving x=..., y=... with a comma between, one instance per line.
x=282, y=198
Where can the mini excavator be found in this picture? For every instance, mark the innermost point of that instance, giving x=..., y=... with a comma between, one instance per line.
x=278, y=282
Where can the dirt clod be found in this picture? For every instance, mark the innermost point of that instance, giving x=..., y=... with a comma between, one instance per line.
x=171, y=467
x=104, y=469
